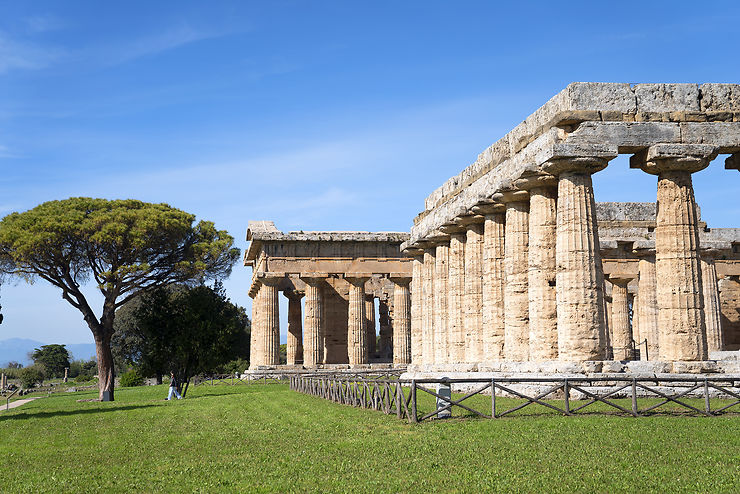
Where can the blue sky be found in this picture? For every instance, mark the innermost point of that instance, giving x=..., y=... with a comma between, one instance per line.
x=317, y=115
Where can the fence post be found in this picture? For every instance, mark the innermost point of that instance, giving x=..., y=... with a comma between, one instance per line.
x=566, y=391
x=493, y=399
x=414, y=418
x=634, y=397
x=706, y=396
x=398, y=400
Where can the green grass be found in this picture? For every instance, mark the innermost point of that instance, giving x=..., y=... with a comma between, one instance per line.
x=265, y=438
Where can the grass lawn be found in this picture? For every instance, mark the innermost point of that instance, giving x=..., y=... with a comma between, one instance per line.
x=265, y=438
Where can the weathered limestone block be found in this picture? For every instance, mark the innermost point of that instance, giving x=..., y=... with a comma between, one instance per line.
x=648, y=305
x=543, y=316
x=356, y=327
x=580, y=277
x=294, y=346
x=712, y=309
x=682, y=330
x=473, y=300
x=427, y=322
x=494, y=280
x=516, y=265
x=401, y=321
x=720, y=97
x=370, y=324
x=667, y=97
x=621, y=332
x=313, y=344
x=416, y=302
x=456, y=287
x=441, y=333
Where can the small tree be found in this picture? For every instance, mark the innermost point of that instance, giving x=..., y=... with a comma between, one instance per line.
x=54, y=358
x=125, y=247
x=185, y=330
x=32, y=375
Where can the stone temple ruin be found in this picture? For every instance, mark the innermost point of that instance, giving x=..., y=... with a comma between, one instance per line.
x=341, y=274
x=515, y=267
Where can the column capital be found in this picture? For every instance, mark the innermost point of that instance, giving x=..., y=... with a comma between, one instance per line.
x=621, y=279
x=733, y=162
x=489, y=208
x=313, y=278
x=402, y=280
x=579, y=158
x=293, y=294
x=507, y=196
x=661, y=158
x=452, y=229
x=537, y=181
x=468, y=220
x=271, y=279
x=357, y=279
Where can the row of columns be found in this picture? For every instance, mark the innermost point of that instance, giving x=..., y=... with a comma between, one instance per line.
x=644, y=324
x=524, y=278
x=305, y=335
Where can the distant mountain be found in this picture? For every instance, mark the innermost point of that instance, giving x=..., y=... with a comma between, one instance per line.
x=17, y=349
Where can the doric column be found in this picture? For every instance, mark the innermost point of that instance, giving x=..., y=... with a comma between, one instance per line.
x=357, y=348
x=620, y=322
x=679, y=293
x=473, y=298
x=516, y=266
x=427, y=314
x=456, y=288
x=441, y=335
x=580, y=275
x=294, y=346
x=416, y=303
x=255, y=339
x=401, y=320
x=494, y=281
x=712, y=308
x=313, y=343
x=607, y=305
x=647, y=311
x=543, y=314
x=270, y=321
x=370, y=324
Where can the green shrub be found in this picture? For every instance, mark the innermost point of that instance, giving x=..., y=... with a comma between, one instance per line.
x=131, y=378
x=237, y=366
x=30, y=376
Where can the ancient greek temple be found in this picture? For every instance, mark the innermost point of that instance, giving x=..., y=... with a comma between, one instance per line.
x=341, y=276
x=514, y=261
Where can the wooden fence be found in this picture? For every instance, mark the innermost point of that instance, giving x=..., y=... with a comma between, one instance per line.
x=567, y=396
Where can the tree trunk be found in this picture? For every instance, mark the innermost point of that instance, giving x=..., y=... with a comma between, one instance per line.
x=185, y=389
x=159, y=377
x=106, y=373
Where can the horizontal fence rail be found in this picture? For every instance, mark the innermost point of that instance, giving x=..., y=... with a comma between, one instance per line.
x=703, y=396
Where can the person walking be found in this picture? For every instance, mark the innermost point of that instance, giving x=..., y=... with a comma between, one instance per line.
x=173, y=387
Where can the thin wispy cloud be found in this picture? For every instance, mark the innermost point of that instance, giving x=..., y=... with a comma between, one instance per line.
x=21, y=55
x=154, y=44
x=44, y=23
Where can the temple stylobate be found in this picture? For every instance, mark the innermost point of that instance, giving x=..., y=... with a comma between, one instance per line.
x=514, y=239
x=341, y=276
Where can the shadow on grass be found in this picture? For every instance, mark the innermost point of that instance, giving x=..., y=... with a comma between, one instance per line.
x=29, y=414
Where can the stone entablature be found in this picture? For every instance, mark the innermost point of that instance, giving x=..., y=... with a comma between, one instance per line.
x=341, y=275
x=536, y=183
x=590, y=119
